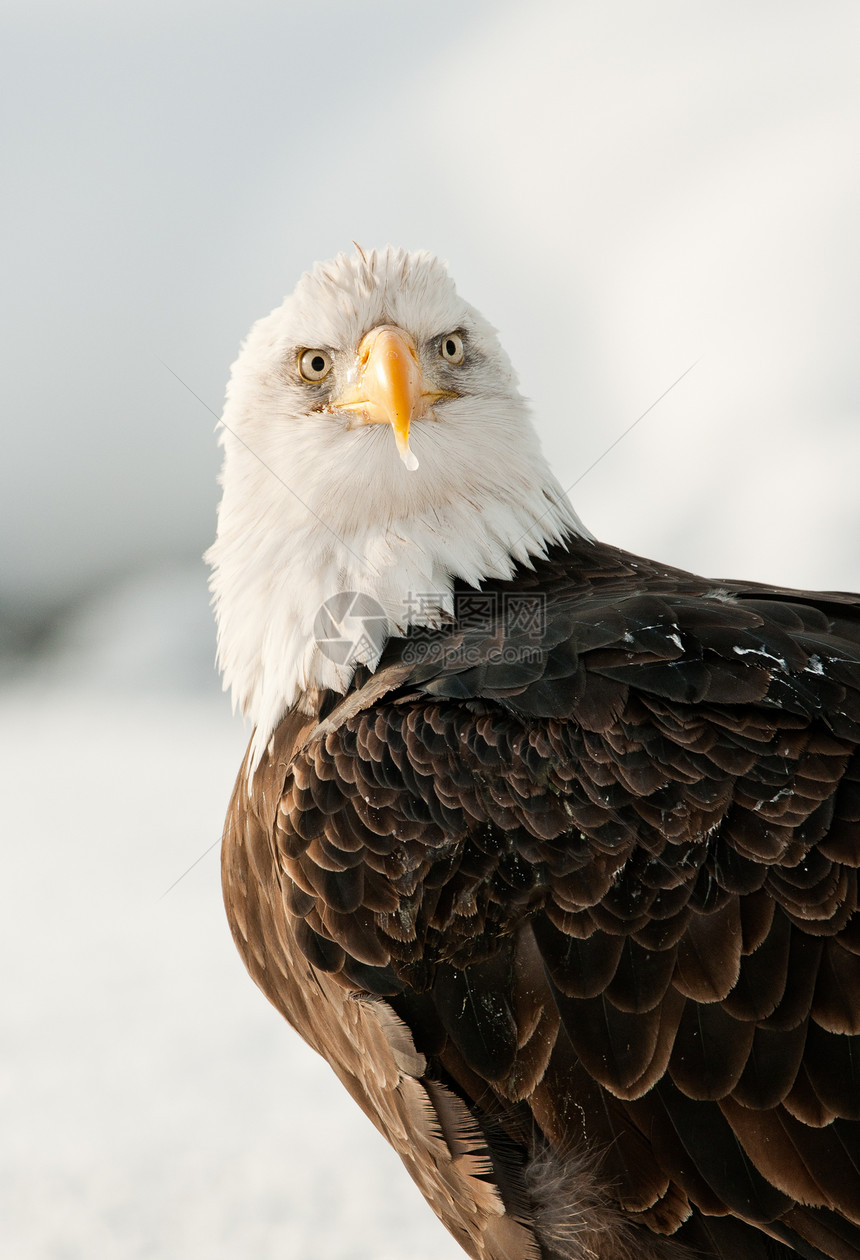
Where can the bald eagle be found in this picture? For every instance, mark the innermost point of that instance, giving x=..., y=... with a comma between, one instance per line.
x=550, y=850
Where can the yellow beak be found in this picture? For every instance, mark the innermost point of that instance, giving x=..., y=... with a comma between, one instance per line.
x=389, y=387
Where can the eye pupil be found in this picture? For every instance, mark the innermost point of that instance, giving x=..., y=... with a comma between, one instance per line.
x=317, y=363
x=450, y=347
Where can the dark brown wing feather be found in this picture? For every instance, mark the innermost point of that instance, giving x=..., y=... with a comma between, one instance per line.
x=571, y=912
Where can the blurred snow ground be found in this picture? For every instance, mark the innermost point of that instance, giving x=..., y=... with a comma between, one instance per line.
x=153, y=1106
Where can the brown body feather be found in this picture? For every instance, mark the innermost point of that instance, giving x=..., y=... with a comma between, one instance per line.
x=572, y=916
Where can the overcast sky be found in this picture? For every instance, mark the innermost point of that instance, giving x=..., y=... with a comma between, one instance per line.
x=624, y=189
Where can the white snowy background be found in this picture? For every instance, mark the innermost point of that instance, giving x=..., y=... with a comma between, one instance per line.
x=626, y=189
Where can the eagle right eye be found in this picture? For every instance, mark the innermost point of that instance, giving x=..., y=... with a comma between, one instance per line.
x=314, y=365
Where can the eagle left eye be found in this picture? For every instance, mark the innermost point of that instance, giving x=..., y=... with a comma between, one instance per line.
x=451, y=349
x=314, y=365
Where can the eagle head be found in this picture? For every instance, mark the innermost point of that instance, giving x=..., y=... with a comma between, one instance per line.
x=375, y=442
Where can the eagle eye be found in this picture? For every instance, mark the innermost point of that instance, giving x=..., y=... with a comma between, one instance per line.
x=314, y=365
x=451, y=349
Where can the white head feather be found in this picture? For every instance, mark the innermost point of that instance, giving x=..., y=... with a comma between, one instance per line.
x=315, y=505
